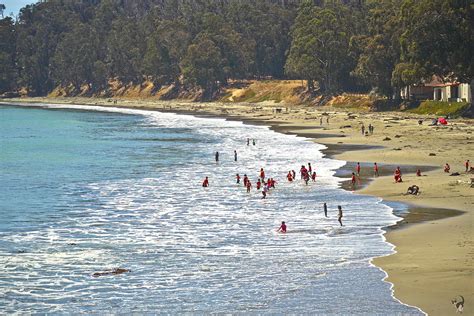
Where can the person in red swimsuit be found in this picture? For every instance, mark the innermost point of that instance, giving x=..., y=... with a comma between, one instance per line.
x=205, y=183
x=259, y=184
x=358, y=169
x=313, y=176
x=282, y=228
x=353, y=180
x=376, y=170
x=418, y=172
x=249, y=186
x=289, y=176
x=262, y=174
x=238, y=178
x=246, y=179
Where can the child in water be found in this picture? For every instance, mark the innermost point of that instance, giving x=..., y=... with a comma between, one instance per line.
x=339, y=217
x=282, y=228
x=205, y=183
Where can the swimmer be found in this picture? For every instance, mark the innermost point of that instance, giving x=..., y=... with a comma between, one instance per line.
x=249, y=186
x=205, y=183
x=259, y=184
x=358, y=169
x=339, y=216
x=235, y=155
x=253, y=142
x=313, y=176
x=309, y=167
x=325, y=207
x=282, y=228
x=238, y=178
x=289, y=176
x=246, y=179
x=264, y=192
x=217, y=156
x=294, y=174
x=262, y=174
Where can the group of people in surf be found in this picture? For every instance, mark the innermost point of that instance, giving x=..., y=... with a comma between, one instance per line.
x=264, y=184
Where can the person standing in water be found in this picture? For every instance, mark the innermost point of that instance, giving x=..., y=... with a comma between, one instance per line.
x=353, y=180
x=339, y=216
x=289, y=176
x=253, y=142
x=249, y=186
x=282, y=228
x=325, y=207
x=238, y=178
x=217, y=156
x=310, y=169
x=235, y=155
x=205, y=183
x=262, y=174
x=376, y=170
x=358, y=169
x=248, y=141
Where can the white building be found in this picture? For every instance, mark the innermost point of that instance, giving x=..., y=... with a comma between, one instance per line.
x=452, y=92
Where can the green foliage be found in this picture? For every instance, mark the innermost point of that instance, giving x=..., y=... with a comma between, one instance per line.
x=336, y=45
x=440, y=108
x=320, y=45
x=8, y=71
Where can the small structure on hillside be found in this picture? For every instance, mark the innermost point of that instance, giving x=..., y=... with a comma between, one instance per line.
x=438, y=90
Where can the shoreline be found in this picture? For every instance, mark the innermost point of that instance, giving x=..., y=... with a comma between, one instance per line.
x=421, y=214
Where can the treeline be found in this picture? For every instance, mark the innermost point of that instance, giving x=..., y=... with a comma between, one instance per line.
x=336, y=45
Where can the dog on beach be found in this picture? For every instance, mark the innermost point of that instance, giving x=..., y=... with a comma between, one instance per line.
x=458, y=304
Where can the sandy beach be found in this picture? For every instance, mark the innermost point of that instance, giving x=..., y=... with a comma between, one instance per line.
x=434, y=255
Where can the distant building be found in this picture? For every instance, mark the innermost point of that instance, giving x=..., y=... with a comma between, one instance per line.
x=438, y=90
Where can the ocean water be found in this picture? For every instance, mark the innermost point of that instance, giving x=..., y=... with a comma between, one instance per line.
x=87, y=189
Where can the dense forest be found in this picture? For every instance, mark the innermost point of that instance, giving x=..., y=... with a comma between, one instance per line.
x=336, y=45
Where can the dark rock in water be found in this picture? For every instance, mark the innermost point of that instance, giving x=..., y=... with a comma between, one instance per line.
x=21, y=251
x=387, y=138
x=72, y=244
x=114, y=271
x=455, y=174
x=432, y=154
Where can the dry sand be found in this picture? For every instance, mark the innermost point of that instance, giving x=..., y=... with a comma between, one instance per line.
x=434, y=259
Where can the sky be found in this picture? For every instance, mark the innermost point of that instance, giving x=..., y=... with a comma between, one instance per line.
x=15, y=6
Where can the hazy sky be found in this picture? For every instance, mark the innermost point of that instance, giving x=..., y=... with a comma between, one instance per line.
x=15, y=5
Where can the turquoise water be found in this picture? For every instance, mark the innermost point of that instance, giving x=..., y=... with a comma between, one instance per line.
x=87, y=191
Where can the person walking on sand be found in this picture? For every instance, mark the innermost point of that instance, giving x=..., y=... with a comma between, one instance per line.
x=327, y=119
x=282, y=228
x=205, y=183
x=376, y=170
x=339, y=216
x=363, y=129
x=325, y=207
x=358, y=169
x=466, y=164
x=217, y=156
x=235, y=155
